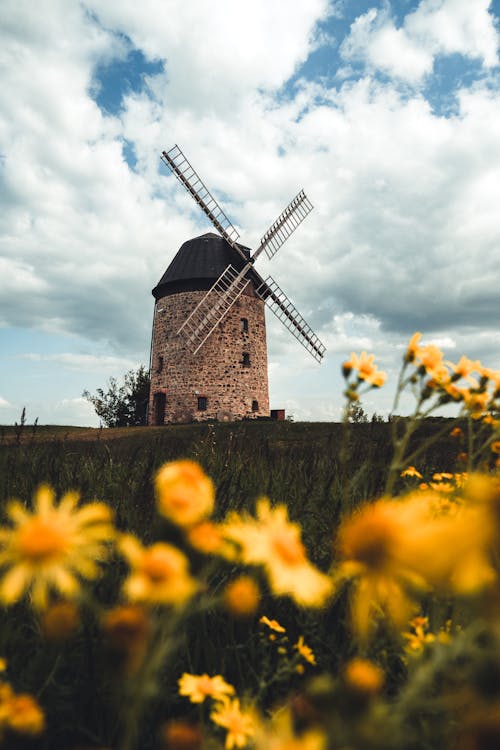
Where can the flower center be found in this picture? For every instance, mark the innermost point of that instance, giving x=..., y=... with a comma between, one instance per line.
x=373, y=552
x=40, y=540
x=157, y=567
x=289, y=547
x=205, y=685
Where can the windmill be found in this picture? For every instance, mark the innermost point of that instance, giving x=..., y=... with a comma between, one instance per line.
x=188, y=329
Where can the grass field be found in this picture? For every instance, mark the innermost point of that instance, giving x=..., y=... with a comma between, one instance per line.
x=321, y=471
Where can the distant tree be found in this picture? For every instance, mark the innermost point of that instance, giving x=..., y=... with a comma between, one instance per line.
x=123, y=405
x=356, y=413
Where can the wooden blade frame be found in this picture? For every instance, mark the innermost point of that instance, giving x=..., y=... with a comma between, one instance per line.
x=212, y=308
x=286, y=223
x=182, y=169
x=285, y=311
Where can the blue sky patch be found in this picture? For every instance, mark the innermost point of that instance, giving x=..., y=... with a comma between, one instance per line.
x=120, y=77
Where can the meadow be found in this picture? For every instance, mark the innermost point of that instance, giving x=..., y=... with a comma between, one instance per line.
x=258, y=584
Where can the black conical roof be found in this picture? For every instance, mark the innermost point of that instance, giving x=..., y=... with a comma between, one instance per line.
x=198, y=263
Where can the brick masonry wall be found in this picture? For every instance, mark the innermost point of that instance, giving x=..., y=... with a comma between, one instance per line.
x=216, y=372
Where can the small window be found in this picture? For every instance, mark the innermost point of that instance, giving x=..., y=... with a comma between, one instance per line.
x=246, y=359
x=244, y=325
x=255, y=405
x=160, y=364
x=202, y=403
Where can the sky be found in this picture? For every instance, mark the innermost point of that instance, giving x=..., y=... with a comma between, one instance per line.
x=386, y=112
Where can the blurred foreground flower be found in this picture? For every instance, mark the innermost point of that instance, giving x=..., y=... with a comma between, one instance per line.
x=241, y=596
x=19, y=713
x=185, y=493
x=373, y=542
x=53, y=547
x=159, y=573
x=274, y=542
x=278, y=734
x=363, y=676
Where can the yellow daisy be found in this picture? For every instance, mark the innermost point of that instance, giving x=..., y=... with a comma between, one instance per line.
x=185, y=493
x=305, y=651
x=274, y=542
x=197, y=687
x=53, y=547
x=372, y=543
x=159, y=573
x=240, y=725
x=272, y=624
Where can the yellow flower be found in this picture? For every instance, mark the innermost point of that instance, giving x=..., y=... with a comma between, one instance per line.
x=430, y=358
x=240, y=725
x=207, y=537
x=272, y=624
x=373, y=543
x=197, y=687
x=242, y=596
x=452, y=551
x=305, y=651
x=418, y=636
x=465, y=366
x=495, y=446
x=159, y=573
x=274, y=542
x=413, y=347
x=477, y=403
x=411, y=471
x=363, y=676
x=24, y=715
x=279, y=734
x=367, y=370
x=185, y=494
x=53, y=547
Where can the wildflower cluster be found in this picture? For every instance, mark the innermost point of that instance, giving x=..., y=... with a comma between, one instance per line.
x=242, y=722
x=403, y=568
x=361, y=369
x=466, y=382
x=226, y=711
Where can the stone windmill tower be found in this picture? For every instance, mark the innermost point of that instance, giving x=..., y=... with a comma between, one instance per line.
x=208, y=350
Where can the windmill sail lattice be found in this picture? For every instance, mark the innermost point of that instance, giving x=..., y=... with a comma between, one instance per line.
x=278, y=302
x=212, y=308
x=231, y=284
x=286, y=223
x=179, y=165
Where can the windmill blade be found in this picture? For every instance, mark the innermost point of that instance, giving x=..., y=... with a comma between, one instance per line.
x=286, y=223
x=285, y=311
x=182, y=169
x=212, y=308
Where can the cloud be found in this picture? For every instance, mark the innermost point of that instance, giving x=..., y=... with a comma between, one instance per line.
x=436, y=27
x=3, y=403
x=375, y=40
x=404, y=234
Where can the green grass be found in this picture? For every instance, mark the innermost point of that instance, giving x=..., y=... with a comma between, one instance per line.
x=295, y=463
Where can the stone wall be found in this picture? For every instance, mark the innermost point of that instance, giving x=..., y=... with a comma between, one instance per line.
x=229, y=372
